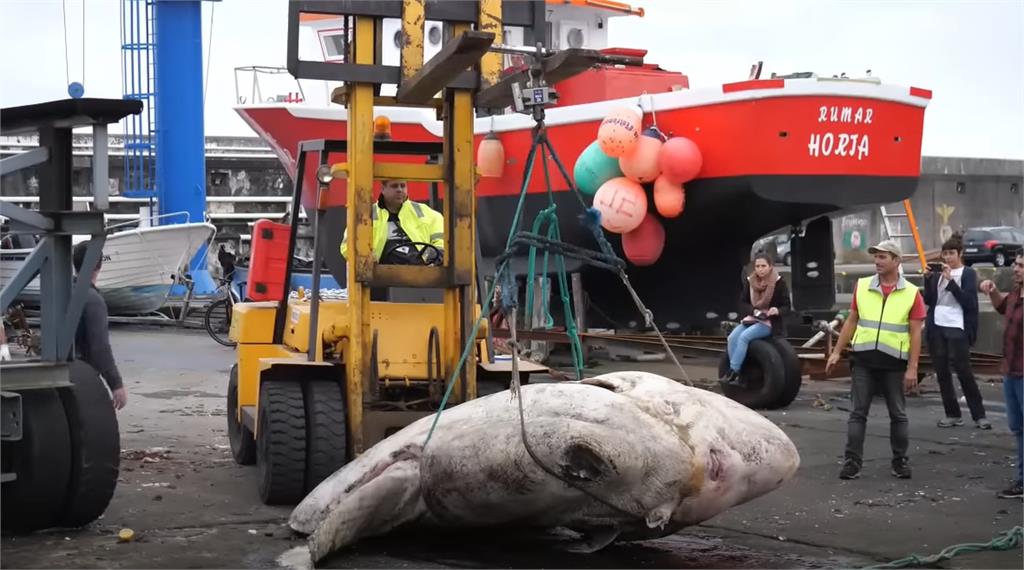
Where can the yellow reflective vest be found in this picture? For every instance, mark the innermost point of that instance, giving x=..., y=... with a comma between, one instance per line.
x=883, y=324
x=419, y=221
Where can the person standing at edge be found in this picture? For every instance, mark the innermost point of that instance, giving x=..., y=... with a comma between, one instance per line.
x=952, y=328
x=92, y=336
x=1012, y=306
x=885, y=326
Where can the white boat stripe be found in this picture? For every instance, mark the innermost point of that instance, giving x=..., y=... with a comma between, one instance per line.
x=659, y=102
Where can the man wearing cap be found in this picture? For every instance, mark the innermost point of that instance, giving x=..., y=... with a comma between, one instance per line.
x=885, y=327
x=397, y=223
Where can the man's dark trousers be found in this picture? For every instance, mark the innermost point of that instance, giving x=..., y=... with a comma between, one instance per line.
x=866, y=382
x=949, y=348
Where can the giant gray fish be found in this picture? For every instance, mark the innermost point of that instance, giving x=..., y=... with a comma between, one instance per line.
x=618, y=457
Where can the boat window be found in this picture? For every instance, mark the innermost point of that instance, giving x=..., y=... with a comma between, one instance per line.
x=434, y=35
x=334, y=45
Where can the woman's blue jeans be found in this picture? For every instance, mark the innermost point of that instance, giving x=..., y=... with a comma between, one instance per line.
x=740, y=338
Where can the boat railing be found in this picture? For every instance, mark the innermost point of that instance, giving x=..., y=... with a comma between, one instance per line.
x=255, y=91
x=150, y=219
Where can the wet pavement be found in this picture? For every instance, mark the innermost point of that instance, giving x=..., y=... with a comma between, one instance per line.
x=190, y=505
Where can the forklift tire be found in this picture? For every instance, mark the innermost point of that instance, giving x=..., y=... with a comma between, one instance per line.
x=95, y=446
x=41, y=460
x=793, y=377
x=241, y=438
x=326, y=431
x=764, y=374
x=281, y=442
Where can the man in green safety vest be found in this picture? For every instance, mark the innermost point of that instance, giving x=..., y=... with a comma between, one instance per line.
x=885, y=325
x=401, y=227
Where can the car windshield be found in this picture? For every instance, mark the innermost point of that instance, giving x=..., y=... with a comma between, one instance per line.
x=977, y=235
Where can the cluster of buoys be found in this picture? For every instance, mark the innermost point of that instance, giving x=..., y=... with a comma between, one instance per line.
x=621, y=166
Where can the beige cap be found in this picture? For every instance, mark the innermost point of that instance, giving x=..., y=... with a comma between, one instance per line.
x=888, y=246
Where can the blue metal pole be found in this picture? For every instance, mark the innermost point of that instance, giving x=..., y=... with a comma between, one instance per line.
x=180, y=164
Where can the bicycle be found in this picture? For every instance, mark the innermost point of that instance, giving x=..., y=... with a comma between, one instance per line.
x=218, y=313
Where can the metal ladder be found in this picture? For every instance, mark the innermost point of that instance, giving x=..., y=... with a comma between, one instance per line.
x=893, y=230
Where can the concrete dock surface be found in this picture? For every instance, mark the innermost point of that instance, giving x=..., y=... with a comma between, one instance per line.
x=191, y=506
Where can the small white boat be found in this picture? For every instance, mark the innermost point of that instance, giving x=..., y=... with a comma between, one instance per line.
x=139, y=265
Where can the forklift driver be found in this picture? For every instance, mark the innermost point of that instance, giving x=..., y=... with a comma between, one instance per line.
x=404, y=232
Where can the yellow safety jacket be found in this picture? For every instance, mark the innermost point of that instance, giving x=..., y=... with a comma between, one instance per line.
x=883, y=324
x=419, y=222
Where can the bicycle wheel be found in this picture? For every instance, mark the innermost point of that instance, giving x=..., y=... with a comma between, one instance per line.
x=218, y=321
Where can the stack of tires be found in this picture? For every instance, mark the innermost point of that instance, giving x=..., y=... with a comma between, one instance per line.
x=771, y=373
x=67, y=461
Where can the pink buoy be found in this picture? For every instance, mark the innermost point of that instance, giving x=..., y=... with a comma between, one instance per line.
x=643, y=164
x=622, y=203
x=643, y=246
x=669, y=197
x=680, y=159
x=619, y=132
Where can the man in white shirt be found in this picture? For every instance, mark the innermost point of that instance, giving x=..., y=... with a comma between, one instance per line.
x=950, y=291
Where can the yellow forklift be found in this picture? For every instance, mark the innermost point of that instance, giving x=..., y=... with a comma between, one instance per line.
x=318, y=380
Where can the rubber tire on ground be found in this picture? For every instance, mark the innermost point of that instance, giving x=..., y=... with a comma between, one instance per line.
x=241, y=438
x=42, y=462
x=281, y=442
x=95, y=446
x=763, y=372
x=793, y=375
x=326, y=431
x=212, y=312
x=999, y=259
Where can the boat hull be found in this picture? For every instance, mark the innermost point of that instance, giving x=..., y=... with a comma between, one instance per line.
x=139, y=266
x=775, y=153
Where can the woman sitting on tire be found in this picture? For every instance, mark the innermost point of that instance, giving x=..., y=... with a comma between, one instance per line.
x=767, y=297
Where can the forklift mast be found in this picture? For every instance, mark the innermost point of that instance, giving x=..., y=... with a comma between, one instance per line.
x=449, y=82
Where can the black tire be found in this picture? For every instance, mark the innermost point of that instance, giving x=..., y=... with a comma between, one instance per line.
x=95, y=446
x=793, y=375
x=999, y=259
x=786, y=259
x=281, y=442
x=42, y=463
x=218, y=321
x=326, y=431
x=241, y=438
x=763, y=372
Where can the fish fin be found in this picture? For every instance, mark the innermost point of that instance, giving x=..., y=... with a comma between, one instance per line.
x=593, y=540
x=387, y=501
x=623, y=381
x=297, y=558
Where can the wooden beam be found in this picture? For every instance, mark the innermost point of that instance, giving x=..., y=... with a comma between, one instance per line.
x=339, y=96
x=454, y=58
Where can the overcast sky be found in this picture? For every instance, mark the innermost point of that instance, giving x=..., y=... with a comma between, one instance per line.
x=970, y=53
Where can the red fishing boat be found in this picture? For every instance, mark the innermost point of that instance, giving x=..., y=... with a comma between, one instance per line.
x=777, y=152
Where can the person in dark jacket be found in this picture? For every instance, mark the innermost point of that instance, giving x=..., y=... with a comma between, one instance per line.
x=952, y=327
x=767, y=298
x=92, y=336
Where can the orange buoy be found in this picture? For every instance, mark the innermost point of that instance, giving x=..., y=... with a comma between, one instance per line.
x=680, y=160
x=643, y=245
x=619, y=132
x=490, y=157
x=642, y=165
x=669, y=197
x=622, y=203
